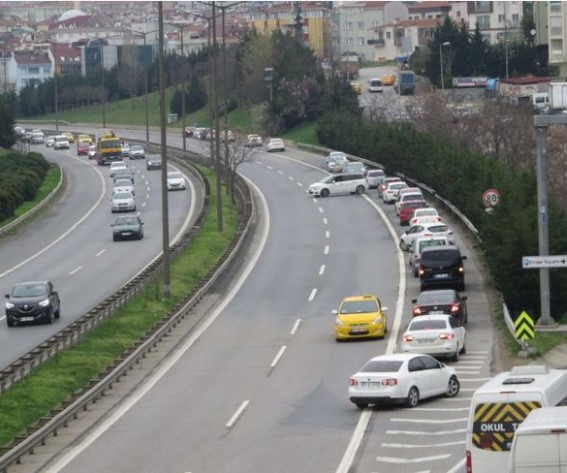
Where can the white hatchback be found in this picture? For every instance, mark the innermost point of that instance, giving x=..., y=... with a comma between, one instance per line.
x=425, y=215
x=346, y=183
x=436, y=335
x=275, y=144
x=425, y=230
x=115, y=166
x=390, y=193
x=401, y=378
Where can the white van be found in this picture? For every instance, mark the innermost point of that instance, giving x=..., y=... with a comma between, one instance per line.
x=540, y=443
x=499, y=407
x=540, y=100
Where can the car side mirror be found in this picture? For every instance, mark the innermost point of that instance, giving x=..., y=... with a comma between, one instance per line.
x=464, y=298
x=141, y=223
x=414, y=301
x=384, y=309
x=112, y=225
x=334, y=312
x=7, y=296
x=463, y=257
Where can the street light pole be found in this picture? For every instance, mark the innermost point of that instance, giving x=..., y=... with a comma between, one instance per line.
x=446, y=43
x=183, y=89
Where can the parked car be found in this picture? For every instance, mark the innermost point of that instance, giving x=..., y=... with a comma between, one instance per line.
x=137, y=152
x=153, y=161
x=125, y=150
x=115, y=166
x=275, y=144
x=426, y=230
x=360, y=317
x=442, y=266
x=417, y=246
x=127, y=228
x=32, y=301
x=123, y=202
x=61, y=142
x=338, y=184
x=391, y=191
x=374, y=178
x=175, y=181
x=439, y=335
x=123, y=185
x=441, y=301
x=402, y=378
x=253, y=141
x=408, y=209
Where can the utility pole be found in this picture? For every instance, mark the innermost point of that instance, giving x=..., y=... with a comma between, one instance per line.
x=298, y=25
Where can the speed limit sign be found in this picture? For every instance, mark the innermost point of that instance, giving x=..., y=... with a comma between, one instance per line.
x=490, y=198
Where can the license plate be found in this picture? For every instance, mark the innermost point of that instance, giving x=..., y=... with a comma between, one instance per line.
x=426, y=340
x=126, y=233
x=370, y=384
x=26, y=319
x=358, y=330
x=436, y=312
x=441, y=276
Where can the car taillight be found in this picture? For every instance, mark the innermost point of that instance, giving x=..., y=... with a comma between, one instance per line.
x=417, y=311
x=421, y=271
x=469, y=462
x=455, y=308
x=461, y=269
x=353, y=382
x=407, y=338
x=446, y=336
x=389, y=382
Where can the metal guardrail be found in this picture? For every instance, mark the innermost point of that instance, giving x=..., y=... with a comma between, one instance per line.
x=48, y=426
x=22, y=220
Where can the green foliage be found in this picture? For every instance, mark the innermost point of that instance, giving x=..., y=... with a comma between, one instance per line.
x=7, y=135
x=508, y=232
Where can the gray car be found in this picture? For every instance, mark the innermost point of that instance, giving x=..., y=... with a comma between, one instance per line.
x=123, y=202
x=375, y=177
x=123, y=185
x=153, y=161
x=137, y=152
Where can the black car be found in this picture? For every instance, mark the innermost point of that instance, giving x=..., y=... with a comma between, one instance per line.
x=34, y=301
x=442, y=266
x=127, y=228
x=153, y=161
x=441, y=301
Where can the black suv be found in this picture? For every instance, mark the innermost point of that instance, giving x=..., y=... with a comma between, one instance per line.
x=35, y=301
x=442, y=267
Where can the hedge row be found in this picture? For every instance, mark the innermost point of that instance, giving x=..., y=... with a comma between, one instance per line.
x=507, y=233
x=21, y=175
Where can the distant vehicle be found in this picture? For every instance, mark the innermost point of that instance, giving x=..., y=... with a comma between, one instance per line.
x=137, y=152
x=337, y=161
x=33, y=301
x=123, y=185
x=275, y=144
x=374, y=177
x=37, y=137
x=82, y=148
x=425, y=215
x=70, y=136
x=405, y=83
x=426, y=230
x=356, y=87
x=189, y=131
x=123, y=174
x=125, y=150
x=50, y=141
x=229, y=134
x=253, y=141
x=388, y=79
x=442, y=266
x=115, y=166
x=356, y=166
x=61, y=142
x=108, y=147
x=441, y=301
x=391, y=192
x=384, y=184
x=175, y=181
x=19, y=131
x=85, y=139
x=153, y=161
x=127, y=228
x=417, y=246
x=349, y=65
x=407, y=210
x=402, y=378
x=375, y=85
x=92, y=152
x=123, y=202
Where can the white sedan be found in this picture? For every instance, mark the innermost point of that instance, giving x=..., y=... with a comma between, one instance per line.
x=390, y=193
x=275, y=144
x=401, y=378
x=175, y=181
x=425, y=230
x=435, y=335
x=425, y=215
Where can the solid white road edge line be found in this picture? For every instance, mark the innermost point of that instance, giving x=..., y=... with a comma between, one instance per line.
x=68, y=456
x=416, y=432
x=412, y=460
x=237, y=414
x=278, y=357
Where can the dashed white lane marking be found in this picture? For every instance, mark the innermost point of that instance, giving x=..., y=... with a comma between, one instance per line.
x=101, y=252
x=431, y=421
x=295, y=327
x=467, y=371
x=237, y=414
x=291, y=178
x=412, y=460
x=415, y=432
x=430, y=445
x=278, y=356
x=321, y=209
x=312, y=295
x=143, y=205
x=76, y=270
x=314, y=200
x=321, y=270
x=259, y=162
x=300, y=184
x=326, y=250
x=270, y=167
x=327, y=234
x=280, y=172
x=325, y=221
x=444, y=409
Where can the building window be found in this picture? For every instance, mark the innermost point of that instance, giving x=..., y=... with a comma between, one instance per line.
x=483, y=21
x=388, y=35
x=555, y=26
x=33, y=70
x=348, y=25
x=361, y=41
x=430, y=17
x=482, y=7
x=515, y=18
x=458, y=14
x=348, y=42
x=380, y=35
x=501, y=18
x=361, y=25
x=555, y=7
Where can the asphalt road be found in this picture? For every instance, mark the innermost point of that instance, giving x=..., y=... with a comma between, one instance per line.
x=71, y=244
x=264, y=388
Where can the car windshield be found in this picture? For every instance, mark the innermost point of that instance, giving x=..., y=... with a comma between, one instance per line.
x=375, y=83
x=29, y=290
x=426, y=213
x=136, y=148
x=382, y=366
x=436, y=297
x=358, y=307
x=126, y=221
x=438, y=229
x=123, y=182
x=375, y=173
x=397, y=185
x=174, y=175
x=155, y=158
x=123, y=195
x=427, y=325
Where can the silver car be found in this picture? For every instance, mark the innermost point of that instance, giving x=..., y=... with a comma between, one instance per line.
x=123, y=185
x=374, y=177
x=123, y=202
x=137, y=152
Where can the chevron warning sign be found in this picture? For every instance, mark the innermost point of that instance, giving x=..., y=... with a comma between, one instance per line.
x=524, y=325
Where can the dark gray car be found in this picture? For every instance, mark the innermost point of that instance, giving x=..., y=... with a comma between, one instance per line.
x=153, y=161
x=33, y=301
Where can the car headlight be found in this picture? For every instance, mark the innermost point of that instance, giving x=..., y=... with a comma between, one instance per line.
x=339, y=322
x=9, y=305
x=377, y=320
x=44, y=303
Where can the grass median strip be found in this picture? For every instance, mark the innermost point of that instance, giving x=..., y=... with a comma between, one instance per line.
x=57, y=379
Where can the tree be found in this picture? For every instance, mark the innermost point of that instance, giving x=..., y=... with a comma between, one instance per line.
x=7, y=135
x=255, y=55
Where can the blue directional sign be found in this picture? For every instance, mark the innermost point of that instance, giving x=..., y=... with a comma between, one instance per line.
x=552, y=261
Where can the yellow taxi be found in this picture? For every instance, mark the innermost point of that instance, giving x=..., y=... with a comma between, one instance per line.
x=70, y=136
x=85, y=139
x=388, y=79
x=360, y=317
x=356, y=87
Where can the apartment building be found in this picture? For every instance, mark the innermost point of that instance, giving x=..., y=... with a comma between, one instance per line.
x=551, y=27
x=497, y=21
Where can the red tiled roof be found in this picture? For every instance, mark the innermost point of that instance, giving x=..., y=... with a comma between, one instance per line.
x=429, y=6
x=525, y=80
x=28, y=59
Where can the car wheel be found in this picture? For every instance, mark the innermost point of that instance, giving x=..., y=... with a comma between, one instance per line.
x=455, y=356
x=361, y=405
x=464, y=349
x=58, y=313
x=360, y=190
x=324, y=192
x=114, y=238
x=453, y=387
x=50, y=317
x=403, y=245
x=413, y=397
x=9, y=321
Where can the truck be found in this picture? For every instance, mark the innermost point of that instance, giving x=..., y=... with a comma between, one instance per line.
x=108, y=147
x=349, y=66
x=557, y=95
x=405, y=83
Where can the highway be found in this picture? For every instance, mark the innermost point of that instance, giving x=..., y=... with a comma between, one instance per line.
x=71, y=244
x=265, y=386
